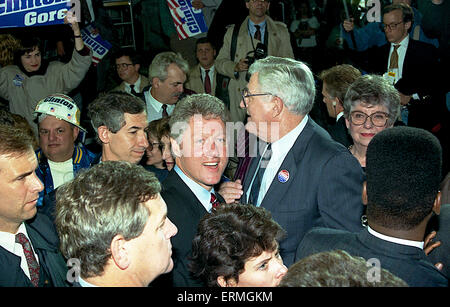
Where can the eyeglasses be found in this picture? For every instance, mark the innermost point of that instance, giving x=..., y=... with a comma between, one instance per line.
x=391, y=26
x=378, y=119
x=246, y=94
x=123, y=65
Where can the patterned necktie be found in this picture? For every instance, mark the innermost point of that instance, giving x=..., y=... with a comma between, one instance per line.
x=214, y=202
x=257, y=33
x=133, y=92
x=254, y=193
x=207, y=82
x=164, y=111
x=394, y=58
x=33, y=265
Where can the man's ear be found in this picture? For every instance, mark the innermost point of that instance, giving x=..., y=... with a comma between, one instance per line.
x=103, y=134
x=119, y=252
x=224, y=283
x=408, y=25
x=155, y=82
x=437, y=204
x=75, y=133
x=364, y=193
x=277, y=106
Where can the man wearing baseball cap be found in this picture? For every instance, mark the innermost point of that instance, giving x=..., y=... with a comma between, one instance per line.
x=59, y=157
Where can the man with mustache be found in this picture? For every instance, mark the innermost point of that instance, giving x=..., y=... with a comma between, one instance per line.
x=119, y=119
x=28, y=240
x=198, y=142
x=167, y=74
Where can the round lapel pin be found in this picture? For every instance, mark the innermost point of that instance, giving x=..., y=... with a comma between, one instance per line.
x=283, y=176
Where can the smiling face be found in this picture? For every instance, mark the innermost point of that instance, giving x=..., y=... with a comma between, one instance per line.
x=154, y=155
x=31, y=61
x=19, y=190
x=152, y=250
x=56, y=138
x=363, y=134
x=127, y=144
x=202, y=152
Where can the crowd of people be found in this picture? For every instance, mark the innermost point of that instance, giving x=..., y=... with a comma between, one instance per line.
x=230, y=171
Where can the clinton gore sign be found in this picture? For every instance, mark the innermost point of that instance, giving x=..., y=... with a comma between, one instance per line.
x=26, y=13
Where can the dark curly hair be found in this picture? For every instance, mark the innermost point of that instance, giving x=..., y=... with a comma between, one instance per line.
x=228, y=237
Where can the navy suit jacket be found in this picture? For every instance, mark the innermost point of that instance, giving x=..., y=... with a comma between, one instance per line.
x=407, y=262
x=185, y=211
x=324, y=188
x=339, y=132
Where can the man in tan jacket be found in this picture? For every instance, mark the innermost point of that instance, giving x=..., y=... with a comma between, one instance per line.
x=127, y=66
x=273, y=34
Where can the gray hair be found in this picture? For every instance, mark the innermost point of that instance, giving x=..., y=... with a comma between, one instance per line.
x=198, y=104
x=373, y=90
x=288, y=79
x=108, y=110
x=158, y=67
x=96, y=206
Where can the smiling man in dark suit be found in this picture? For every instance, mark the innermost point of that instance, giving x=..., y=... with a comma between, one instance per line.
x=309, y=180
x=198, y=143
x=401, y=192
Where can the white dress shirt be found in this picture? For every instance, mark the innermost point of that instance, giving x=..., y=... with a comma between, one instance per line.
x=381, y=236
x=8, y=242
x=202, y=194
x=137, y=86
x=154, y=107
x=401, y=51
x=280, y=149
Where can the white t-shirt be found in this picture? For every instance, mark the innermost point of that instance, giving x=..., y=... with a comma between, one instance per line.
x=62, y=172
x=312, y=23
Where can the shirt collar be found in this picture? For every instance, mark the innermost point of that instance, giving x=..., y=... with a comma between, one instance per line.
x=395, y=240
x=8, y=240
x=202, y=194
x=137, y=84
x=282, y=146
x=403, y=44
x=157, y=106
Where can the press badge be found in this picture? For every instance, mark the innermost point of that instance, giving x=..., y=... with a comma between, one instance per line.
x=390, y=77
x=18, y=80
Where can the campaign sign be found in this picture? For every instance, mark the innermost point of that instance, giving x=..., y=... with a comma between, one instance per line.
x=188, y=21
x=95, y=42
x=26, y=13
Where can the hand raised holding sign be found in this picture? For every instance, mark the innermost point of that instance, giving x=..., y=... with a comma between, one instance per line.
x=71, y=19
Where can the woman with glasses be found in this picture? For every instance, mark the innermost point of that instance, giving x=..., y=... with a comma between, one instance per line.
x=159, y=156
x=371, y=105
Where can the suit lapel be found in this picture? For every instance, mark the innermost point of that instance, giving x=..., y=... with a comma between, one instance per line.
x=291, y=164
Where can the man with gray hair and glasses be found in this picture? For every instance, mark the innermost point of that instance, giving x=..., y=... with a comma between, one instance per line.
x=303, y=177
x=167, y=74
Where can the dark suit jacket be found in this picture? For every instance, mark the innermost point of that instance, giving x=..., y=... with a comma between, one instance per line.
x=407, y=262
x=45, y=242
x=339, y=133
x=324, y=188
x=441, y=224
x=420, y=75
x=185, y=211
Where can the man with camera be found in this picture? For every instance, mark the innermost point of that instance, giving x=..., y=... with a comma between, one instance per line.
x=257, y=37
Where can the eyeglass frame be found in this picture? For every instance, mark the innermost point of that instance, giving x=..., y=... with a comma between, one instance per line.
x=369, y=116
x=123, y=65
x=391, y=26
x=244, y=96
